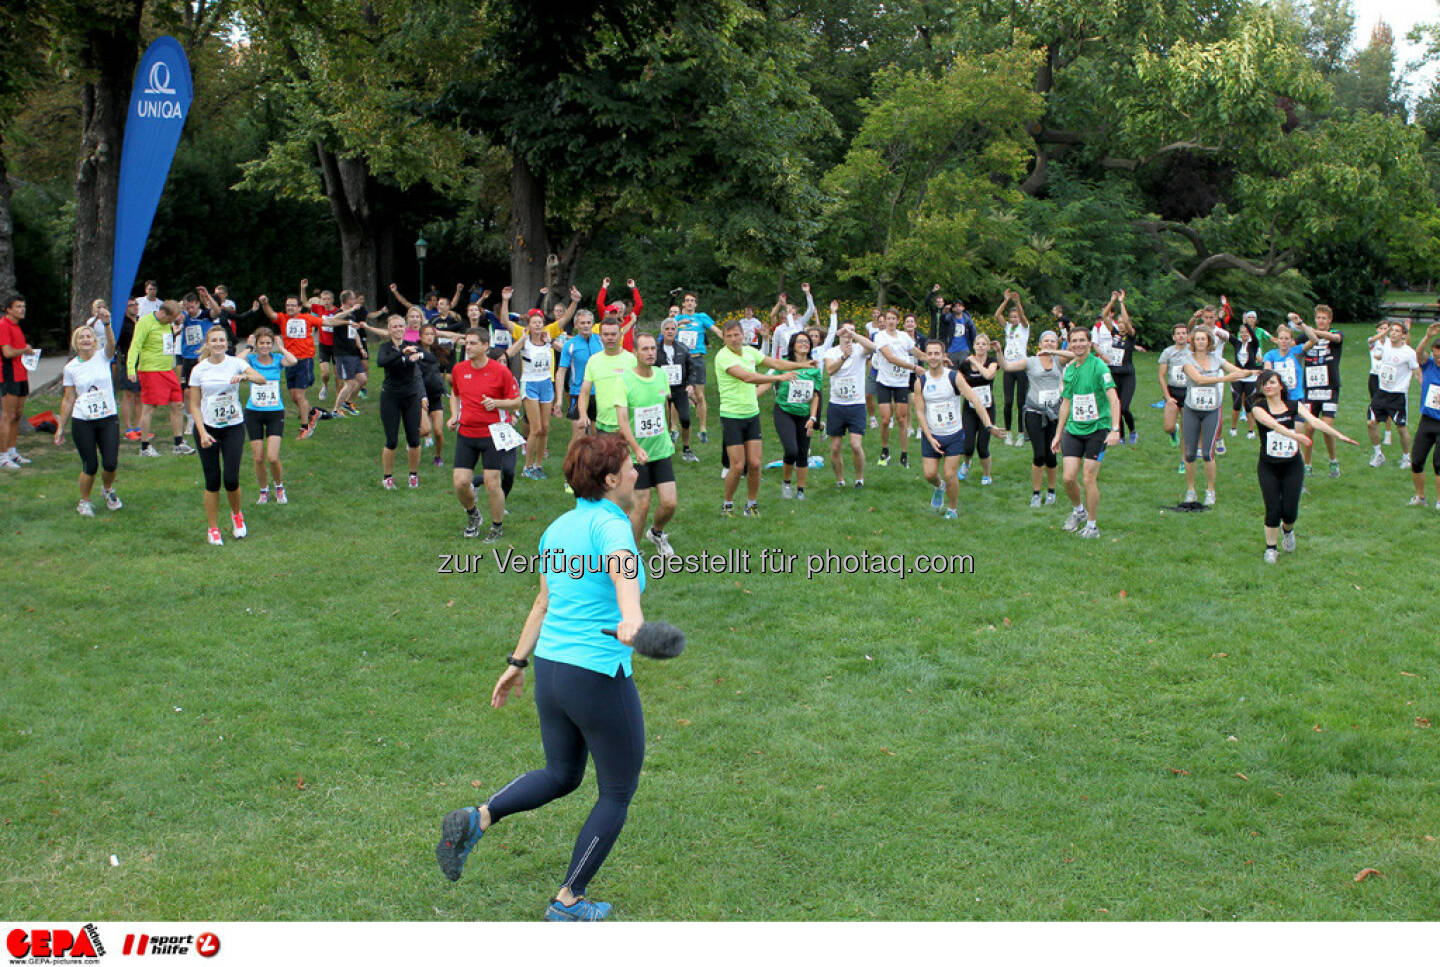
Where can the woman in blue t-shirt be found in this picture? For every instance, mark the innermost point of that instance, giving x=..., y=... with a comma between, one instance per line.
x=265, y=412
x=591, y=578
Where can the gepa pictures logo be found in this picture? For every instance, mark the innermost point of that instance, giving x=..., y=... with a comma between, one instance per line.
x=57, y=944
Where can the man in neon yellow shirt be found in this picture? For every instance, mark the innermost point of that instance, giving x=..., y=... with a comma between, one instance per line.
x=151, y=360
x=602, y=377
x=641, y=412
x=736, y=380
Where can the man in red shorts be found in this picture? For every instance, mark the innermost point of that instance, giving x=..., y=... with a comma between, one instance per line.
x=152, y=361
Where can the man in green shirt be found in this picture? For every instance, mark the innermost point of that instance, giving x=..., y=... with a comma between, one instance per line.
x=602, y=377
x=1089, y=422
x=736, y=380
x=640, y=410
x=151, y=361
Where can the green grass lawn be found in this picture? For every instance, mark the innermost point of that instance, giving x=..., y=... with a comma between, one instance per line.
x=1155, y=725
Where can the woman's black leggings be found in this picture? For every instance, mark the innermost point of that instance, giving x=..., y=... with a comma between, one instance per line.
x=1280, y=485
x=1041, y=430
x=1125, y=389
x=582, y=712
x=681, y=401
x=395, y=408
x=1427, y=435
x=1017, y=385
x=794, y=438
x=91, y=436
x=976, y=436
x=228, y=448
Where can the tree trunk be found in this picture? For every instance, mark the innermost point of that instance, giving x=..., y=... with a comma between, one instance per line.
x=8, y=282
x=882, y=290
x=529, y=244
x=108, y=57
x=1044, y=80
x=348, y=187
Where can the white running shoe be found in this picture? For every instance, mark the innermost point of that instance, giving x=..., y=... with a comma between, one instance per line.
x=213, y=536
x=1417, y=501
x=85, y=509
x=1234, y=431
x=1287, y=542
x=661, y=542
x=19, y=460
x=1378, y=460
x=183, y=449
x=280, y=497
x=1404, y=461
x=1049, y=497
x=1189, y=497
x=1271, y=555
x=1249, y=434
x=112, y=500
x=1209, y=498
x=787, y=489
x=874, y=423
x=1090, y=530
x=1034, y=500
x=1075, y=520
x=238, y=520
x=7, y=464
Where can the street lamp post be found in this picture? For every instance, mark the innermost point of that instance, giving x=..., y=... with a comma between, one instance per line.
x=421, y=247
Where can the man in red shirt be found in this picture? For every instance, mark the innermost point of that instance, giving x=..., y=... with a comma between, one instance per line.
x=297, y=332
x=480, y=388
x=617, y=308
x=324, y=307
x=14, y=381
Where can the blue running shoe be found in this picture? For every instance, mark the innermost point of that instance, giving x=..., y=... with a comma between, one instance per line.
x=459, y=832
x=584, y=910
x=964, y=470
x=949, y=514
x=937, y=498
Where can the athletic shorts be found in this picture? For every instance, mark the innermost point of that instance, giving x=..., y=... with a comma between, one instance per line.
x=187, y=366
x=842, y=418
x=1239, y=392
x=571, y=414
x=122, y=379
x=891, y=394
x=953, y=445
x=326, y=353
x=434, y=395
x=472, y=449
x=1323, y=402
x=264, y=423
x=697, y=371
x=870, y=383
x=20, y=388
x=1389, y=406
x=542, y=391
x=1176, y=394
x=738, y=430
x=1089, y=446
x=159, y=388
x=348, y=367
x=654, y=473
x=301, y=375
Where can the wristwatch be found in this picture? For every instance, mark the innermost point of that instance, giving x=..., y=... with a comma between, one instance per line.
x=514, y=662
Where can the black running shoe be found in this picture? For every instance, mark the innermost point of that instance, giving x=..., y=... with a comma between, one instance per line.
x=459, y=832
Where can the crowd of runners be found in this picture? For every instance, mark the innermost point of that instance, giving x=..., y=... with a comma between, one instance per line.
x=496, y=374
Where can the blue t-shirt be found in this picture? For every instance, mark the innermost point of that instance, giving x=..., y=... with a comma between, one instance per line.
x=1430, y=389
x=960, y=339
x=1288, y=366
x=192, y=337
x=582, y=594
x=575, y=354
x=269, y=394
x=699, y=324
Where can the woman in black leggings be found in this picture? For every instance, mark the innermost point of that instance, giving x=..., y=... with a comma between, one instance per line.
x=400, y=400
x=1041, y=411
x=584, y=692
x=978, y=370
x=214, y=400
x=1281, y=469
x=1121, y=360
x=797, y=408
x=89, y=404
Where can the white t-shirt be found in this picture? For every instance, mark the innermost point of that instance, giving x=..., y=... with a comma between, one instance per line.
x=219, y=398
x=751, y=327
x=538, y=362
x=1396, y=365
x=147, y=306
x=94, y=388
x=942, y=403
x=847, y=385
x=902, y=347
x=1017, y=339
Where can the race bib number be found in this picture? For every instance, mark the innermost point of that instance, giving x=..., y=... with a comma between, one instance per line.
x=674, y=373
x=1204, y=397
x=895, y=374
x=295, y=328
x=1115, y=356
x=222, y=409
x=1318, y=395
x=943, y=416
x=1317, y=376
x=500, y=338
x=193, y=335
x=801, y=390
x=1280, y=447
x=845, y=390
x=505, y=437
x=650, y=421
x=95, y=405
x=537, y=366
x=1432, y=397
x=1287, y=375
x=1083, y=408
x=688, y=338
x=167, y=343
x=986, y=394
x=1387, y=377
x=1047, y=397
x=1177, y=375
x=265, y=396
x=352, y=332
x=1014, y=353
